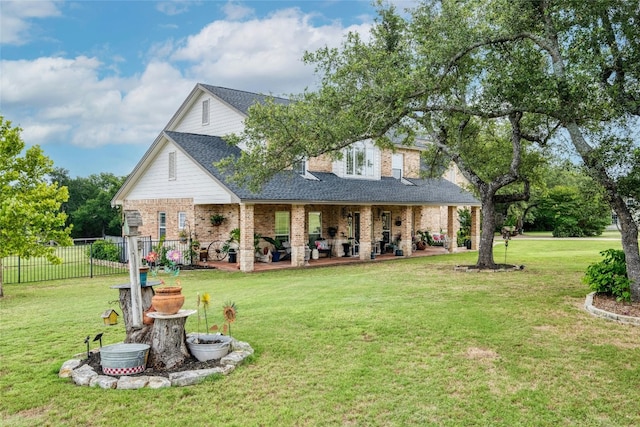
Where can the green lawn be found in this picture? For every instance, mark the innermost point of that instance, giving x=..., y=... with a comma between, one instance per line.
x=405, y=342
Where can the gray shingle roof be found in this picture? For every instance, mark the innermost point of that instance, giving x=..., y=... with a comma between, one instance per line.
x=289, y=186
x=239, y=99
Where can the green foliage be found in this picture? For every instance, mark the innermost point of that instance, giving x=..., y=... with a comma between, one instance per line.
x=609, y=276
x=104, y=249
x=89, y=205
x=30, y=215
x=464, y=233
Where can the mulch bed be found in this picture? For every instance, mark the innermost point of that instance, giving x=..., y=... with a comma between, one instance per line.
x=609, y=303
x=190, y=364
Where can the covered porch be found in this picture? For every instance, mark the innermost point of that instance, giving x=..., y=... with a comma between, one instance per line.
x=225, y=265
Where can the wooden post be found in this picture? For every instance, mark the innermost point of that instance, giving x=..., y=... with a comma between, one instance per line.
x=134, y=279
x=132, y=220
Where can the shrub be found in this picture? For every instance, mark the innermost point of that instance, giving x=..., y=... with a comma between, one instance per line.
x=104, y=249
x=609, y=276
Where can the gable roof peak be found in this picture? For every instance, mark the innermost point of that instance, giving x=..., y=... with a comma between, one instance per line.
x=240, y=99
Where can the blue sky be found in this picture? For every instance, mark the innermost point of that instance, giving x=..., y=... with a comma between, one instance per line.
x=94, y=82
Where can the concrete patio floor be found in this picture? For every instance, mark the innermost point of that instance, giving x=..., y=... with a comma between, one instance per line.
x=225, y=265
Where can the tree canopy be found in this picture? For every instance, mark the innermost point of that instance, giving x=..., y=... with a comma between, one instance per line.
x=568, y=68
x=31, y=222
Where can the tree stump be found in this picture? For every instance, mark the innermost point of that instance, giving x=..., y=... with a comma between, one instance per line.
x=166, y=335
x=168, y=340
x=135, y=335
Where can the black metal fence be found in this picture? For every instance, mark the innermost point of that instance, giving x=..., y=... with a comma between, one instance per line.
x=86, y=258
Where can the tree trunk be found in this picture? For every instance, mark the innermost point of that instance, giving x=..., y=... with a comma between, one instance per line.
x=628, y=227
x=485, y=250
x=168, y=343
x=135, y=335
x=166, y=337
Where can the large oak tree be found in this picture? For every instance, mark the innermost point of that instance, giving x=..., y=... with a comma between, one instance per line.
x=565, y=65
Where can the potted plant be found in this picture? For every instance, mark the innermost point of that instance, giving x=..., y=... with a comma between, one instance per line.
x=217, y=219
x=278, y=248
x=183, y=236
x=212, y=346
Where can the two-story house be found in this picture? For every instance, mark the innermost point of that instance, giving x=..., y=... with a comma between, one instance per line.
x=370, y=196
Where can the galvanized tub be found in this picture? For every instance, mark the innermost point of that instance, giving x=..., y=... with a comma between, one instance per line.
x=124, y=359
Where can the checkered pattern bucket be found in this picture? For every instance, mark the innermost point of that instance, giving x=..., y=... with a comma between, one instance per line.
x=124, y=359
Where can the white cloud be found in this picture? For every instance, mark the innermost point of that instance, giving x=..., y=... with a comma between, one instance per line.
x=235, y=11
x=69, y=100
x=16, y=27
x=260, y=54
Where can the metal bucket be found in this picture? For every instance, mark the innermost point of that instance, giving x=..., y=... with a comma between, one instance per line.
x=124, y=359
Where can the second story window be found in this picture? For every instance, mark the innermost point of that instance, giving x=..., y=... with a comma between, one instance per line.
x=359, y=160
x=300, y=167
x=205, y=112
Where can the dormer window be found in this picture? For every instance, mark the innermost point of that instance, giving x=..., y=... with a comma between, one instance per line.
x=300, y=167
x=359, y=161
x=397, y=164
x=205, y=112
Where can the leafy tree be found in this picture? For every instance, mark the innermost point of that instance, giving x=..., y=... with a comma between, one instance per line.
x=572, y=65
x=31, y=223
x=89, y=205
x=571, y=203
x=382, y=89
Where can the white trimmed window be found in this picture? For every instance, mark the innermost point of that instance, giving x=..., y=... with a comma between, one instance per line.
x=205, y=112
x=162, y=224
x=359, y=160
x=182, y=220
x=172, y=166
x=282, y=228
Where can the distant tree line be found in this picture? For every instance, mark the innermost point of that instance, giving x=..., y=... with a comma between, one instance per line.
x=88, y=209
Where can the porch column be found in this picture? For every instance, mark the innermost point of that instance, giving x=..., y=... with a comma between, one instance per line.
x=298, y=235
x=407, y=226
x=247, y=228
x=451, y=228
x=475, y=227
x=366, y=224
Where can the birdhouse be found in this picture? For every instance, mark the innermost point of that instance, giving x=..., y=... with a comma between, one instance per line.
x=110, y=317
x=132, y=220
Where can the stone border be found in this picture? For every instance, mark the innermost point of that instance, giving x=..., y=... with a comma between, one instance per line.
x=467, y=269
x=85, y=375
x=588, y=305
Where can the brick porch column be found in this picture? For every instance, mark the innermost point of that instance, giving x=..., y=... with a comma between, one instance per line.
x=475, y=227
x=298, y=235
x=247, y=228
x=407, y=226
x=452, y=215
x=365, y=233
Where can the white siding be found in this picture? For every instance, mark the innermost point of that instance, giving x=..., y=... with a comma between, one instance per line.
x=190, y=182
x=223, y=119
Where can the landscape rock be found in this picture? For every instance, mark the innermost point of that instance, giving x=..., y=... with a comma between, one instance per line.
x=158, y=382
x=132, y=383
x=67, y=368
x=104, y=381
x=83, y=375
x=180, y=379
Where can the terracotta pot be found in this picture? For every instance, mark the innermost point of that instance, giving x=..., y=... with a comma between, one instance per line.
x=168, y=300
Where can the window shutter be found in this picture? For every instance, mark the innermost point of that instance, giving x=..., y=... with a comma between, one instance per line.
x=172, y=165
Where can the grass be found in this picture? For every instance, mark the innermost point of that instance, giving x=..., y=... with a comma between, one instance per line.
x=408, y=342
